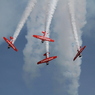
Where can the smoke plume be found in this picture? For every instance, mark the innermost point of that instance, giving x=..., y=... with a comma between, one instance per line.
x=68, y=72
x=33, y=51
x=27, y=12
x=73, y=22
x=49, y=15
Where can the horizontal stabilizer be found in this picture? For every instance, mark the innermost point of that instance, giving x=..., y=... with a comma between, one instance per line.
x=43, y=32
x=46, y=54
x=11, y=37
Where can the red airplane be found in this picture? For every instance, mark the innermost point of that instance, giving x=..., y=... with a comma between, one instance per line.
x=47, y=59
x=79, y=52
x=10, y=44
x=43, y=38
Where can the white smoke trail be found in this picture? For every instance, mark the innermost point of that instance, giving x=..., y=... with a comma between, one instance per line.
x=9, y=17
x=69, y=72
x=73, y=22
x=51, y=9
x=33, y=50
x=27, y=12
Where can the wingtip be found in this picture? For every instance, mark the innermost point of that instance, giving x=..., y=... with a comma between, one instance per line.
x=38, y=63
x=74, y=59
x=16, y=50
x=53, y=41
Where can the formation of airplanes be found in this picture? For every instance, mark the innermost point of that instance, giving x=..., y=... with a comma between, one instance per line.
x=43, y=38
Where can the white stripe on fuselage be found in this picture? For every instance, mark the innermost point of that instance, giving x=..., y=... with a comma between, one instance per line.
x=43, y=38
x=46, y=60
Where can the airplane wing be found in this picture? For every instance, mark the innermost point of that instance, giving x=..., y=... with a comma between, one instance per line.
x=42, y=61
x=49, y=39
x=47, y=63
x=46, y=60
x=43, y=38
x=12, y=46
x=76, y=56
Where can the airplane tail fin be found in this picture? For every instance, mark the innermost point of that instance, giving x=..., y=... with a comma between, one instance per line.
x=44, y=32
x=11, y=37
x=46, y=53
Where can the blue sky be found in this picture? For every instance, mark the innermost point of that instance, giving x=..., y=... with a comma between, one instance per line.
x=87, y=77
x=21, y=77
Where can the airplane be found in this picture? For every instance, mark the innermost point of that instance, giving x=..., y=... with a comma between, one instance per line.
x=47, y=59
x=43, y=38
x=79, y=52
x=10, y=44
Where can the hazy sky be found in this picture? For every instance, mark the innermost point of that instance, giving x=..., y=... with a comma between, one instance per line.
x=19, y=73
